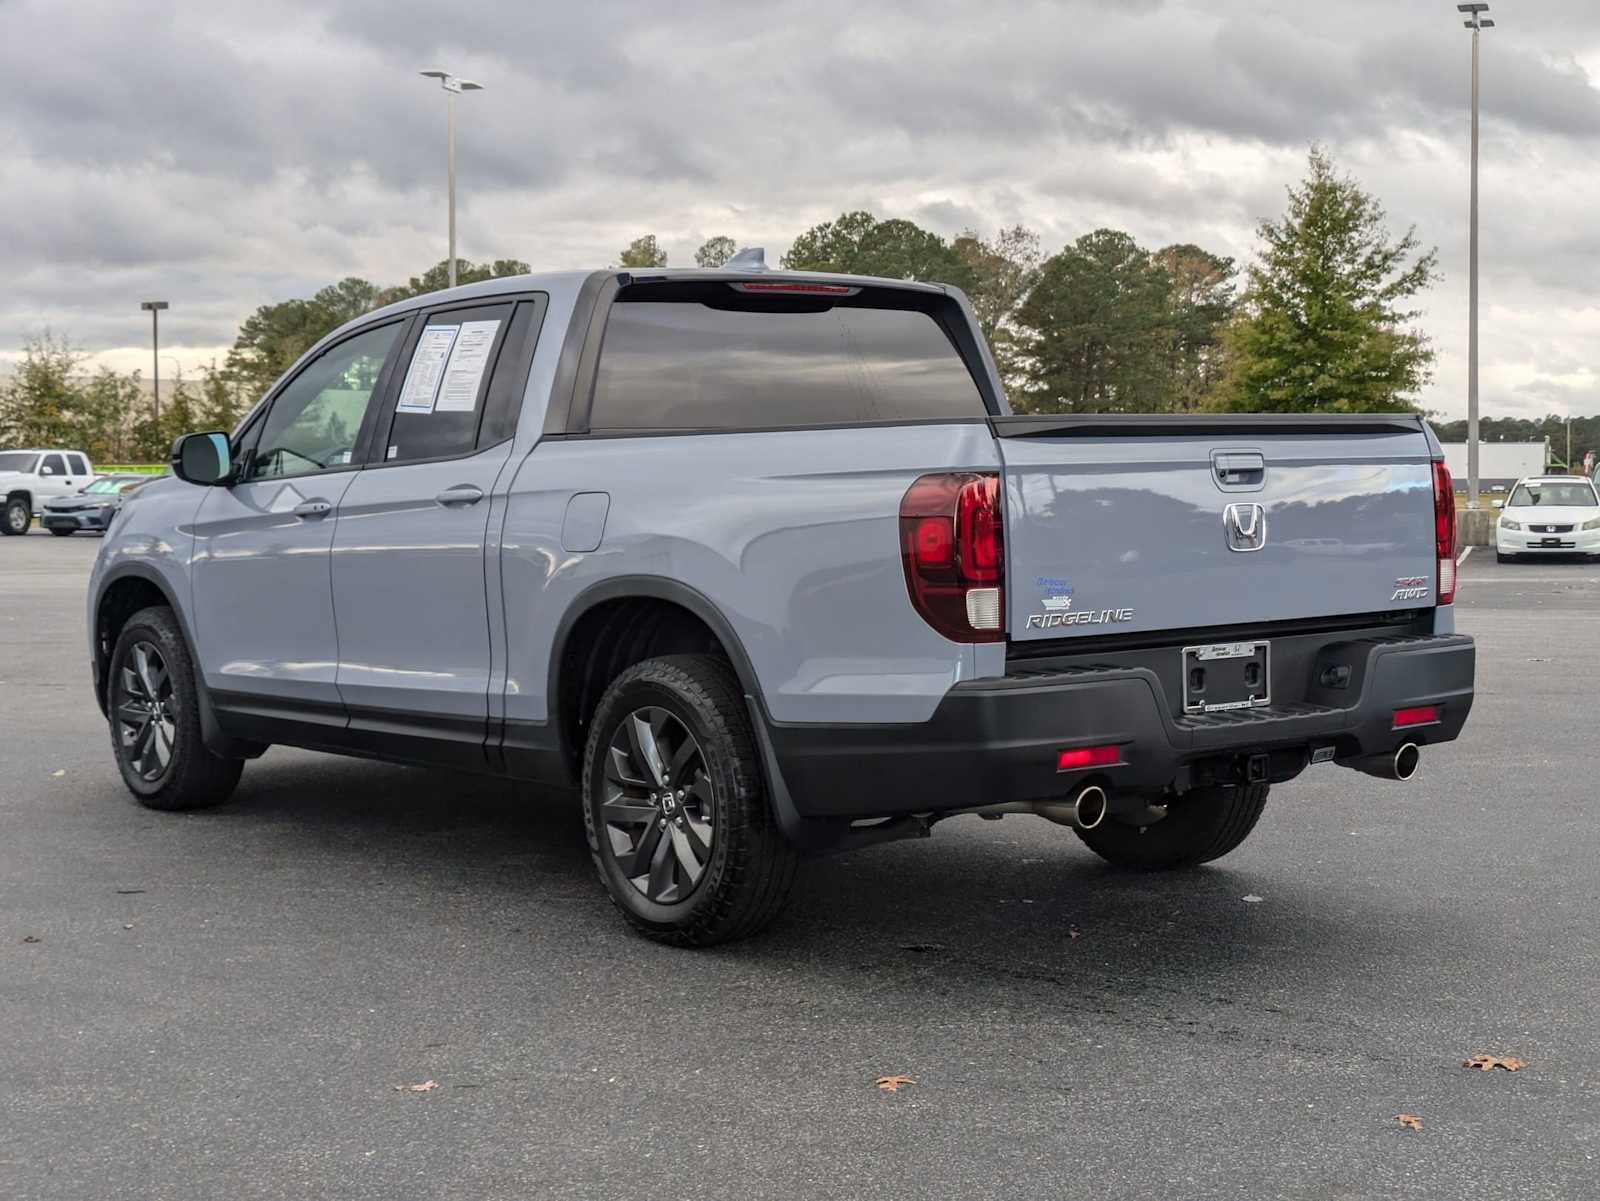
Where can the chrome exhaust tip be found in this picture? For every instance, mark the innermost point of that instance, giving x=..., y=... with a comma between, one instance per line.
x=1406, y=761
x=1089, y=807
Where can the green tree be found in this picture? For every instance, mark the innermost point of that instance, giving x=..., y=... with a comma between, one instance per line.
x=111, y=403
x=1002, y=272
x=41, y=405
x=1322, y=326
x=1095, y=329
x=218, y=405
x=643, y=252
x=858, y=243
x=714, y=252
x=1200, y=302
x=437, y=277
x=273, y=337
x=348, y=299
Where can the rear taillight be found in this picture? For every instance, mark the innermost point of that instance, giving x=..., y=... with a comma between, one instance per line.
x=1444, y=531
x=1416, y=715
x=952, y=543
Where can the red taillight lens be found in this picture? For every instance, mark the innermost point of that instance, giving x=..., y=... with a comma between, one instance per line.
x=1417, y=715
x=1444, y=531
x=1088, y=756
x=952, y=541
x=795, y=286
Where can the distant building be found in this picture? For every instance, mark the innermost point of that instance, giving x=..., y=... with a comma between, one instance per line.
x=1500, y=464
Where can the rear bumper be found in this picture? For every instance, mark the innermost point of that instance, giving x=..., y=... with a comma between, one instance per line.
x=996, y=741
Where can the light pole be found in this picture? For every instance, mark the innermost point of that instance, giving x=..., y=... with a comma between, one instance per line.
x=453, y=86
x=155, y=307
x=1475, y=21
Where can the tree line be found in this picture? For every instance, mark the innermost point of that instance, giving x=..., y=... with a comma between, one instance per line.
x=1320, y=321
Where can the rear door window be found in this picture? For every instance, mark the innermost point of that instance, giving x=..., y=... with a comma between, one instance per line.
x=447, y=369
x=737, y=364
x=80, y=465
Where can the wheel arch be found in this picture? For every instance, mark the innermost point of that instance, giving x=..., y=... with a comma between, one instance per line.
x=123, y=593
x=621, y=621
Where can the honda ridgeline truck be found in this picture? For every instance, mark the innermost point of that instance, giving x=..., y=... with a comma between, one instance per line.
x=763, y=565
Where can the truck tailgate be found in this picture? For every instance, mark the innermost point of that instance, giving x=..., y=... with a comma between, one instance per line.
x=1124, y=524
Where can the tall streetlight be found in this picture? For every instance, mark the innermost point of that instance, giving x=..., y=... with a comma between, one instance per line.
x=155, y=307
x=453, y=87
x=1475, y=21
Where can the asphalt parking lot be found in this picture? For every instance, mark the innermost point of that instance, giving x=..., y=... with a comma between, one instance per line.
x=237, y=1003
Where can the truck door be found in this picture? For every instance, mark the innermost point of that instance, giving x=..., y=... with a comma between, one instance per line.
x=408, y=555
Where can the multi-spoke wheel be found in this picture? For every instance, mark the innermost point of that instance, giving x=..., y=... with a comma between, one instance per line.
x=18, y=516
x=677, y=817
x=147, y=726
x=658, y=811
x=155, y=718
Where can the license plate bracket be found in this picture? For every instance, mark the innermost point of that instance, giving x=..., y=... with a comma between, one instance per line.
x=1227, y=675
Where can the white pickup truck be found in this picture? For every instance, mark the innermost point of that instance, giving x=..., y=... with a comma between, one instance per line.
x=28, y=478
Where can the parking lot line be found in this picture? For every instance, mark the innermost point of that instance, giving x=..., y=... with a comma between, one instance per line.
x=1462, y=558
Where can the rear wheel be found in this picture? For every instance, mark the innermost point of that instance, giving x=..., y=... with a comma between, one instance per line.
x=674, y=806
x=155, y=719
x=1201, y=825
x=17, y=517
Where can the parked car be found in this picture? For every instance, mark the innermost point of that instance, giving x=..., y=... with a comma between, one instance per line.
x=28, y=478
x=91, y=508
x=1549, y=515
x=763, y=565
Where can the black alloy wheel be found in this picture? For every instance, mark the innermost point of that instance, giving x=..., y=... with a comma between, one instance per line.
x=147, y=725
x=657, y=807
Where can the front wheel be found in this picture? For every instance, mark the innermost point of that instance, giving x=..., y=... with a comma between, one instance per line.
x=1201, y=825
x=16, y=518
x=155, y=718
x=674, y=805
x=62, y=531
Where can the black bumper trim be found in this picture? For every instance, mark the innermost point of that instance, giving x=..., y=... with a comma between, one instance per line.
x=995, y=741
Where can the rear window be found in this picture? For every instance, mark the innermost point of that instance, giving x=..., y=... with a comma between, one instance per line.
x=668, y=365
x=1574, y=495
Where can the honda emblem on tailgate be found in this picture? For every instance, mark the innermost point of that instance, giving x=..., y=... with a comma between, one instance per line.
x=1246, y=525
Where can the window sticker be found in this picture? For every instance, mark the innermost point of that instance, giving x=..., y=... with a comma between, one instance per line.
x=463, y=372
x=427, y=369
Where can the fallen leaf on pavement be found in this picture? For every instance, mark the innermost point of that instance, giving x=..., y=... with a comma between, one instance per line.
x=427, y=1086
x=1074, y=933
x=59, y=773
x=31, y=938
x=891, y=1084
x=1409, y=1120
x=1488, y=1063
x=1252, y=899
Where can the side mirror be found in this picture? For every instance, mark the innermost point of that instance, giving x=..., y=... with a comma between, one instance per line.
x=1499, y=504
x=202, y=459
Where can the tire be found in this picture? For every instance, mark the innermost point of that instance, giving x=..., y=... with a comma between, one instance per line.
x=649, y=843
x=1204, y=824
x=16, y=518
x=151, y=660
x=1502, y=557
x=61, y=531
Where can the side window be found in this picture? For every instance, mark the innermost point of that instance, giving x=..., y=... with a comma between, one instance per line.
x=504, y=402
x=53, y=465
x=315, y=422
x=441, y=397
x=80, y=465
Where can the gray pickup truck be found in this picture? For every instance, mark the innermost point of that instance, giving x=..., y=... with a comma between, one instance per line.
x=763, y=565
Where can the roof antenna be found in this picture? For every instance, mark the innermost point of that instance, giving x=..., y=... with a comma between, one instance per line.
x=751, y=258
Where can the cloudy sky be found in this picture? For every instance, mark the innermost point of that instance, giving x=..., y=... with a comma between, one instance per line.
x=223, y=155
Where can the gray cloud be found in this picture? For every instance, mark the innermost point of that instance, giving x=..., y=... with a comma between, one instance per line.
x=227, y=156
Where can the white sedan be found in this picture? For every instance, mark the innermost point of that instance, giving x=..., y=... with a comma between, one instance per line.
x=1549, y=515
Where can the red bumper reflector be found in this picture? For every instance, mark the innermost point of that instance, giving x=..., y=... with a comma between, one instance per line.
x=1088, y=756
x=1420, y=715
